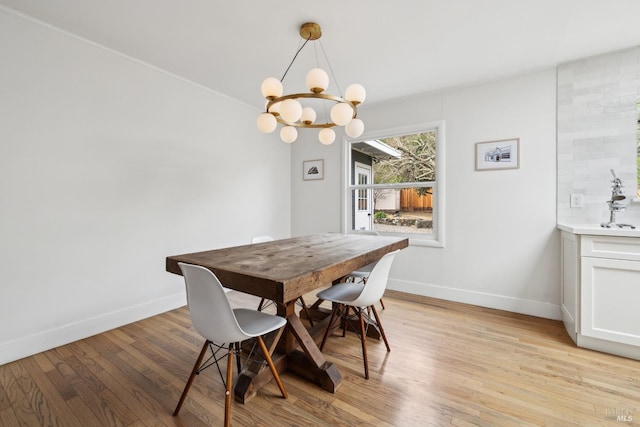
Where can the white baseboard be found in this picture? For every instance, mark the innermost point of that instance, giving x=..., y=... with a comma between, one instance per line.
x=482, y=299
x=617, y=348
x=46, y=340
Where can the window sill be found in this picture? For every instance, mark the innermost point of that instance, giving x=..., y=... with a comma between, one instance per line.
x=425, y=242
x=417, y=240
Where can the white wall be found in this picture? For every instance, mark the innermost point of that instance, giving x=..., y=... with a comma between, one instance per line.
x=107, y=167
x=502, y=246
x=316, y=204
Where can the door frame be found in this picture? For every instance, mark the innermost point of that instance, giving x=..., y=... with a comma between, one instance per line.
x=369, y=168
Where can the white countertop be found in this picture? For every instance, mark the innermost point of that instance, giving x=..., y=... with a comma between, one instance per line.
x=597, y=230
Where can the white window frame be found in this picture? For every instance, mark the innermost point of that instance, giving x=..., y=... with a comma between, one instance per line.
x=437, y=239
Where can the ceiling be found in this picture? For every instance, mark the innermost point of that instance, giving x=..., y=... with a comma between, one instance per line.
x=395, y=49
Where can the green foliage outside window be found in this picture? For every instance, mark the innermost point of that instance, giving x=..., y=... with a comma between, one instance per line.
x=416, y=164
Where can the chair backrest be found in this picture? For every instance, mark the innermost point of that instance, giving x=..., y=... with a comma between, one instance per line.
x=377, y=282
x=262, y=239
x=209, y=308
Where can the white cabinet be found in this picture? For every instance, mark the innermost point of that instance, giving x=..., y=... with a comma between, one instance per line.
x=600, y=296
x=570, y=252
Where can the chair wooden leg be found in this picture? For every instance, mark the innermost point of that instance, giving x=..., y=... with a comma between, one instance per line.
x=363, y=336
x=261, y=304
x=306, y=311
x=274, y=371
x=191, y=378
x=227, y=397
x=384, y=336
x=326, y=333
x=382, y=304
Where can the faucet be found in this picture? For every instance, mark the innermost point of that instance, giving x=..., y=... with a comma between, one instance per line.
x=616, y=203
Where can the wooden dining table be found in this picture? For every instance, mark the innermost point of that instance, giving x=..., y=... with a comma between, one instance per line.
x=282, y=271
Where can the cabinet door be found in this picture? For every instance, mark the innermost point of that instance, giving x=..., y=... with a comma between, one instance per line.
x=610, y=299
x=569, y=246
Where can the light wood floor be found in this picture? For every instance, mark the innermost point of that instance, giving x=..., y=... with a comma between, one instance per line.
x=450, y=364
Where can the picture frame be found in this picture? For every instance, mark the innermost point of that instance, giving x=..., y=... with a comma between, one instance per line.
x=313, y=170
x=498, y=154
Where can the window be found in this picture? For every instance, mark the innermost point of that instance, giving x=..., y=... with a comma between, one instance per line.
x=394, y=183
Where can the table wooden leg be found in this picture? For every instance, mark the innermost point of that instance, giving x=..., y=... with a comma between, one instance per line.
x=256, y=374
x=310, y=362
x=297, y=351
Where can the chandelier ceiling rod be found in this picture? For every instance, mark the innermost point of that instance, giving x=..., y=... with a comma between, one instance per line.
x=294, y=58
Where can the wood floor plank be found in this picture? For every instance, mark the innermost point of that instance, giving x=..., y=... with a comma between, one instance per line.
x=8, y=418
x=86, y=416
x=450, y=364
x=63, y=385
x=57, y=404
x=24, y=404
x=5, y=403
x=135, y=399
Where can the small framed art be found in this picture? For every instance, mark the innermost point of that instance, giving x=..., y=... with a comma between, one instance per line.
x=313, y=169
x=500, y=154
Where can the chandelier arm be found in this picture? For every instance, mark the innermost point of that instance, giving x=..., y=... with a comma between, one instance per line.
x=309, y=126
x=336, y=99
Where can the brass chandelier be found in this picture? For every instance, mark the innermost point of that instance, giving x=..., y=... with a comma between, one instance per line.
x=290, y=111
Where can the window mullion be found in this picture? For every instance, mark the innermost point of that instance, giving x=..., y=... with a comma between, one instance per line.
x=429, y=184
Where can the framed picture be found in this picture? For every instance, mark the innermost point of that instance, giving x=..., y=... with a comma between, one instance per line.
x=501, y=154
x=313, y=169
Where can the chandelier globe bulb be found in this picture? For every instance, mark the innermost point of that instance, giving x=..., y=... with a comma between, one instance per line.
x=354, y=128
x=355, y=93
x=308, y=115
x=341, y=113
x=317, y=80
x=271, y=88
x=266, y=122
x=326, y=136
x=288, y=134
x=290, y=110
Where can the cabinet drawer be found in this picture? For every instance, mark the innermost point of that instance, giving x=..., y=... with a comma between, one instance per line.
x=627, y=248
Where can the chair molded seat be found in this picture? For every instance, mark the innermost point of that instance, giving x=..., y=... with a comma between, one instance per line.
x=253, y=323
x=342, y=293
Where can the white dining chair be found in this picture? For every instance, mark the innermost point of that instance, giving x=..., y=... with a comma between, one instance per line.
x=362, y=274
x=262, y=305
x=359, y=298
x=223, y=327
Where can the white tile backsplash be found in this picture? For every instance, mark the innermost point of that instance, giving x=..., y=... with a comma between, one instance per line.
x=596, y=132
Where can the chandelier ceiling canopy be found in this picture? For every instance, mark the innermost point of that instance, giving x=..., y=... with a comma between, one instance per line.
x=299, y=110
